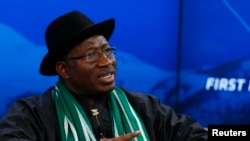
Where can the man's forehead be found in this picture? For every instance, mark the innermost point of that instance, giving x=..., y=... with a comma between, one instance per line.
x=95, y=39
x=92, y=42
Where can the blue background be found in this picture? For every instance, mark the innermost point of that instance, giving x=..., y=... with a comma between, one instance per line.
x=165, y=48
x=214, y=41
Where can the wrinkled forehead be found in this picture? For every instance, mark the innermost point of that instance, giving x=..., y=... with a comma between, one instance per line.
x=93, y=42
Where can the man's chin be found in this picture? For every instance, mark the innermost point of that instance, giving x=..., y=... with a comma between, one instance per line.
x=102, y=91
x=106, y=88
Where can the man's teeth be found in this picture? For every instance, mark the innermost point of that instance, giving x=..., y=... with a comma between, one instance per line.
x=106, y=75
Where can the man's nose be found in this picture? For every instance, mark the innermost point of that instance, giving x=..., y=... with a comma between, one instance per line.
x=104, y=60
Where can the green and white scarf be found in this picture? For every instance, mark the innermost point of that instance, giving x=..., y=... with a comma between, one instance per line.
x=75, y=125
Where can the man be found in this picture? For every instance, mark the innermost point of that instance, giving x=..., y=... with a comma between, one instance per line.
x=85, y=104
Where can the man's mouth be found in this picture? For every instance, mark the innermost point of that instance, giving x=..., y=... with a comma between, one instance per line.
x=107, y=77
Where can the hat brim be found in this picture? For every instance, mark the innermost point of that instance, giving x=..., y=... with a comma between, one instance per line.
x=49, y=61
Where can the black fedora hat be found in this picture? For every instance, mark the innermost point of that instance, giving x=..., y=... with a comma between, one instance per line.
x=65, y=32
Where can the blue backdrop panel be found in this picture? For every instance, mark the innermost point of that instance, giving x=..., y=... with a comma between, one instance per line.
x=214, y=78
x=145, y=36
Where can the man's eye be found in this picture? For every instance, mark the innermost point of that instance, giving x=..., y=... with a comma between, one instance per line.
x=91, y=54
x=107, y=50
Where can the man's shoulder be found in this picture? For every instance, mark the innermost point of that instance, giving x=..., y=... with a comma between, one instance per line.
x=38, y=105
x=33, y=100
x=140, y=97
x=137, y=93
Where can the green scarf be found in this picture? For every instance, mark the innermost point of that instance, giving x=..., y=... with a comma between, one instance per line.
x=75, y=125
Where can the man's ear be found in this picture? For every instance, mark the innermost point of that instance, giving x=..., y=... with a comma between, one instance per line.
x=62, y=69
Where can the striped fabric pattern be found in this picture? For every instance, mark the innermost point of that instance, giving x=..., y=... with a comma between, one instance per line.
x=75, y=126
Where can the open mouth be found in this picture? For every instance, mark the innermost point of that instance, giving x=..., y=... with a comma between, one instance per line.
x=107, y=77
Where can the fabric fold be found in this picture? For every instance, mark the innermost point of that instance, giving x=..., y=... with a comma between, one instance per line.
x=75, y=126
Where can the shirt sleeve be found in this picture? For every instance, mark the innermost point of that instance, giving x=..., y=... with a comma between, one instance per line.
x=30, y=119
x=18, y=124
x=163, y=123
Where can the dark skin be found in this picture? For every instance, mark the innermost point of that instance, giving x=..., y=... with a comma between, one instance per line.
x=125, y=137
x=91, y=79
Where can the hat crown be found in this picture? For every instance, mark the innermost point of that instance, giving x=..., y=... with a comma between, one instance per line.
x=65, y=32
x=65, y=27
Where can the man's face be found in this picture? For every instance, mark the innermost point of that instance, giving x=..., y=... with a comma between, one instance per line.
x=90, y=76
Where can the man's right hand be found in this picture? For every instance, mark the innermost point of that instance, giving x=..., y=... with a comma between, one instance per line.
x=125, y=137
